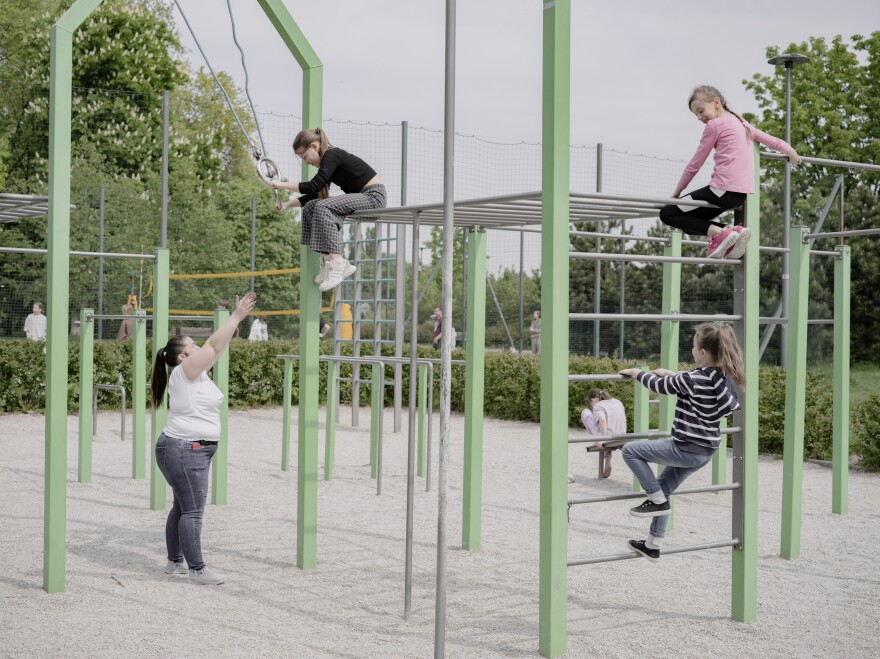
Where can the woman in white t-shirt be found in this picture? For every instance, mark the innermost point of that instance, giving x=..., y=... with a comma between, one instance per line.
x=608, y=418
x=189, y=440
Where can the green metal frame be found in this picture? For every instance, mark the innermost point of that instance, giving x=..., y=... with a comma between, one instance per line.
x=555, y=171
x=474, y=368
x=159, y=415
x=840, y=446
x=795, y=396
x=220, y=463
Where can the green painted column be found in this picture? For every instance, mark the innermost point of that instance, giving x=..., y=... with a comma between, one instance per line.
x=86, y=385
x=220, y=463
x=159, y=415
x=421, y=457
x=795, y=393
x=375, y=410
x=58, y=294
x=840, y=445
x=139, y=395
x=744, y=561
x=641, y=417
x=474, y=391
x=719, y=460
x=330, y=421
x=669, y=330
x=310, y=303
x=555, y=171
x=285, y=415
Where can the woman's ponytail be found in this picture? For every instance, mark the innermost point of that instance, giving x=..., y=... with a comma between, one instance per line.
x=166, y=357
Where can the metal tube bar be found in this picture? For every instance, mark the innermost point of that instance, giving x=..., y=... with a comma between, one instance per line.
x=651, y=258
x=639, y=495
x=597, y=377
x=594, y=439
x=665, y=551
x=411, y=430
x=823, y=161
x=101, y=260
x=840, y=234
x=679, y=317
x=618, y=236
x=32, y=250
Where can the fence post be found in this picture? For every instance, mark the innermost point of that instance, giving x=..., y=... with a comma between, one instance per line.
x=423, y=414
x=86, y=386
x=330, y=421
x=285, y=415
x=840, y=447
x=139, y=395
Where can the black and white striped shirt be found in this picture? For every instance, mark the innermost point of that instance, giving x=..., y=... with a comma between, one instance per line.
x=705, y=396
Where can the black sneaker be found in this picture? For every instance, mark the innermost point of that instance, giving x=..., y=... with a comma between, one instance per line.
x=640, y=547
x=651, y=509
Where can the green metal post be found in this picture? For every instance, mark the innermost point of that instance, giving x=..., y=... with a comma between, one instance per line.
x=159, y=415
x=220, y=463
x=58, y=298
x=474, y=373
x=641, y=416
x=795, y=388
x=719, y=460
x=421, y=458
x=310, y=304
x=86, y=384
x=555, y=171
x=744, y=562
x=330, y=422
x=375, y=410
x=669, y=330
x=840, y=446
x=139, y=395
x=285, y=415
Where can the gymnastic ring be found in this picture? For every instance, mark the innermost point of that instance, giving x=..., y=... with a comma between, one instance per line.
x=270, y=173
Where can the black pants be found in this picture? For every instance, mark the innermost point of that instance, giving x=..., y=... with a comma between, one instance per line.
x=696, y=221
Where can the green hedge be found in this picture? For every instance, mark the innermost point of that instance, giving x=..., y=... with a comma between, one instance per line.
x=866, y=433
x=512, y=387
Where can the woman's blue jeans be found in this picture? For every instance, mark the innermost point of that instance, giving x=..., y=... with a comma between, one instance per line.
x=186, y=470
x=679, y=465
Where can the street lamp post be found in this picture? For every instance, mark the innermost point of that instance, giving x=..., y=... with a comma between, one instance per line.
x=789, y=61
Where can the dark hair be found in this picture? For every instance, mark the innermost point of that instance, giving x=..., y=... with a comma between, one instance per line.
x=307, y=136
x=720, y=341
x=601, y=394
x=165, y=358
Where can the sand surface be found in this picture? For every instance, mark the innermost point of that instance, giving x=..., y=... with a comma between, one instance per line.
x=118, y=602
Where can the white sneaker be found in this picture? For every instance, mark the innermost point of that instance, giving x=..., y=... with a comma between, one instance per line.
x=322, y=271
x=337, y=270
x=205, y=577
x=176, y=568
x=739, y=247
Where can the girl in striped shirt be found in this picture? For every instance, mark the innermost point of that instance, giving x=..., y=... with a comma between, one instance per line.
x=705, y=396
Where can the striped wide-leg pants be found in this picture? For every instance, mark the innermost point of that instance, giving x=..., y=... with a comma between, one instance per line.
x=322, y=218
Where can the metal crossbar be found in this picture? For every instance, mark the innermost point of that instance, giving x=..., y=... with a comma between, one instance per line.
x=675, y=317
x=641, y=495
x=651, y=258
x=111, y=255
x=734, y=542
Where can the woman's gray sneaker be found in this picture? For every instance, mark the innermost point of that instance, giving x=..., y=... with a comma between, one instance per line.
x=176, y=568
x=205, y=577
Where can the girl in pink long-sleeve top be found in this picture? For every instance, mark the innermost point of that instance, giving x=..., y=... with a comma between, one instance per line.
x=732, y=179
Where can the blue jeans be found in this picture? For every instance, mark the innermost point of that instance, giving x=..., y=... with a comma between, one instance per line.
x=186, y=470
x=679, y=465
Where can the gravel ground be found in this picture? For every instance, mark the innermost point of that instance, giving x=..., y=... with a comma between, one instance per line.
x=119, y=602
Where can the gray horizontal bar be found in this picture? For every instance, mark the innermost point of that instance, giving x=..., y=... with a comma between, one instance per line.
x=651, y=258
x=641, y=495
x=207, y=319
x=824, y=161
x=820, y=252
x=843, y=234
x=676, y=317
x=595, y=439
x=664, y=551
x=116, y=316
x=617, y=236
x=597, y=377
x=30, y=250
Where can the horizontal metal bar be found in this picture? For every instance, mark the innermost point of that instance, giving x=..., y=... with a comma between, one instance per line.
x=116, y=316
x=641, y=495
x=206, y=319
x=651, y=258
x=117, y=255
x=820, y=252
x=842, y=234
x=597, y=377
x=675, y=317
x=823, y=161
x=618, y=236
x=109, y=387
x=595, y=439
x=663, y=552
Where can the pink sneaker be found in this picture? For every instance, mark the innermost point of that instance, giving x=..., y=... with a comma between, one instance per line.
x=742, y=239
x=718, y=245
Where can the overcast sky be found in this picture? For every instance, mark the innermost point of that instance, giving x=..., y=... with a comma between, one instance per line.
x=633, y=64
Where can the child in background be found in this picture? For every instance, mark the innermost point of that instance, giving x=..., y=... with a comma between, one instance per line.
x=705, y=396
x=732, y=179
